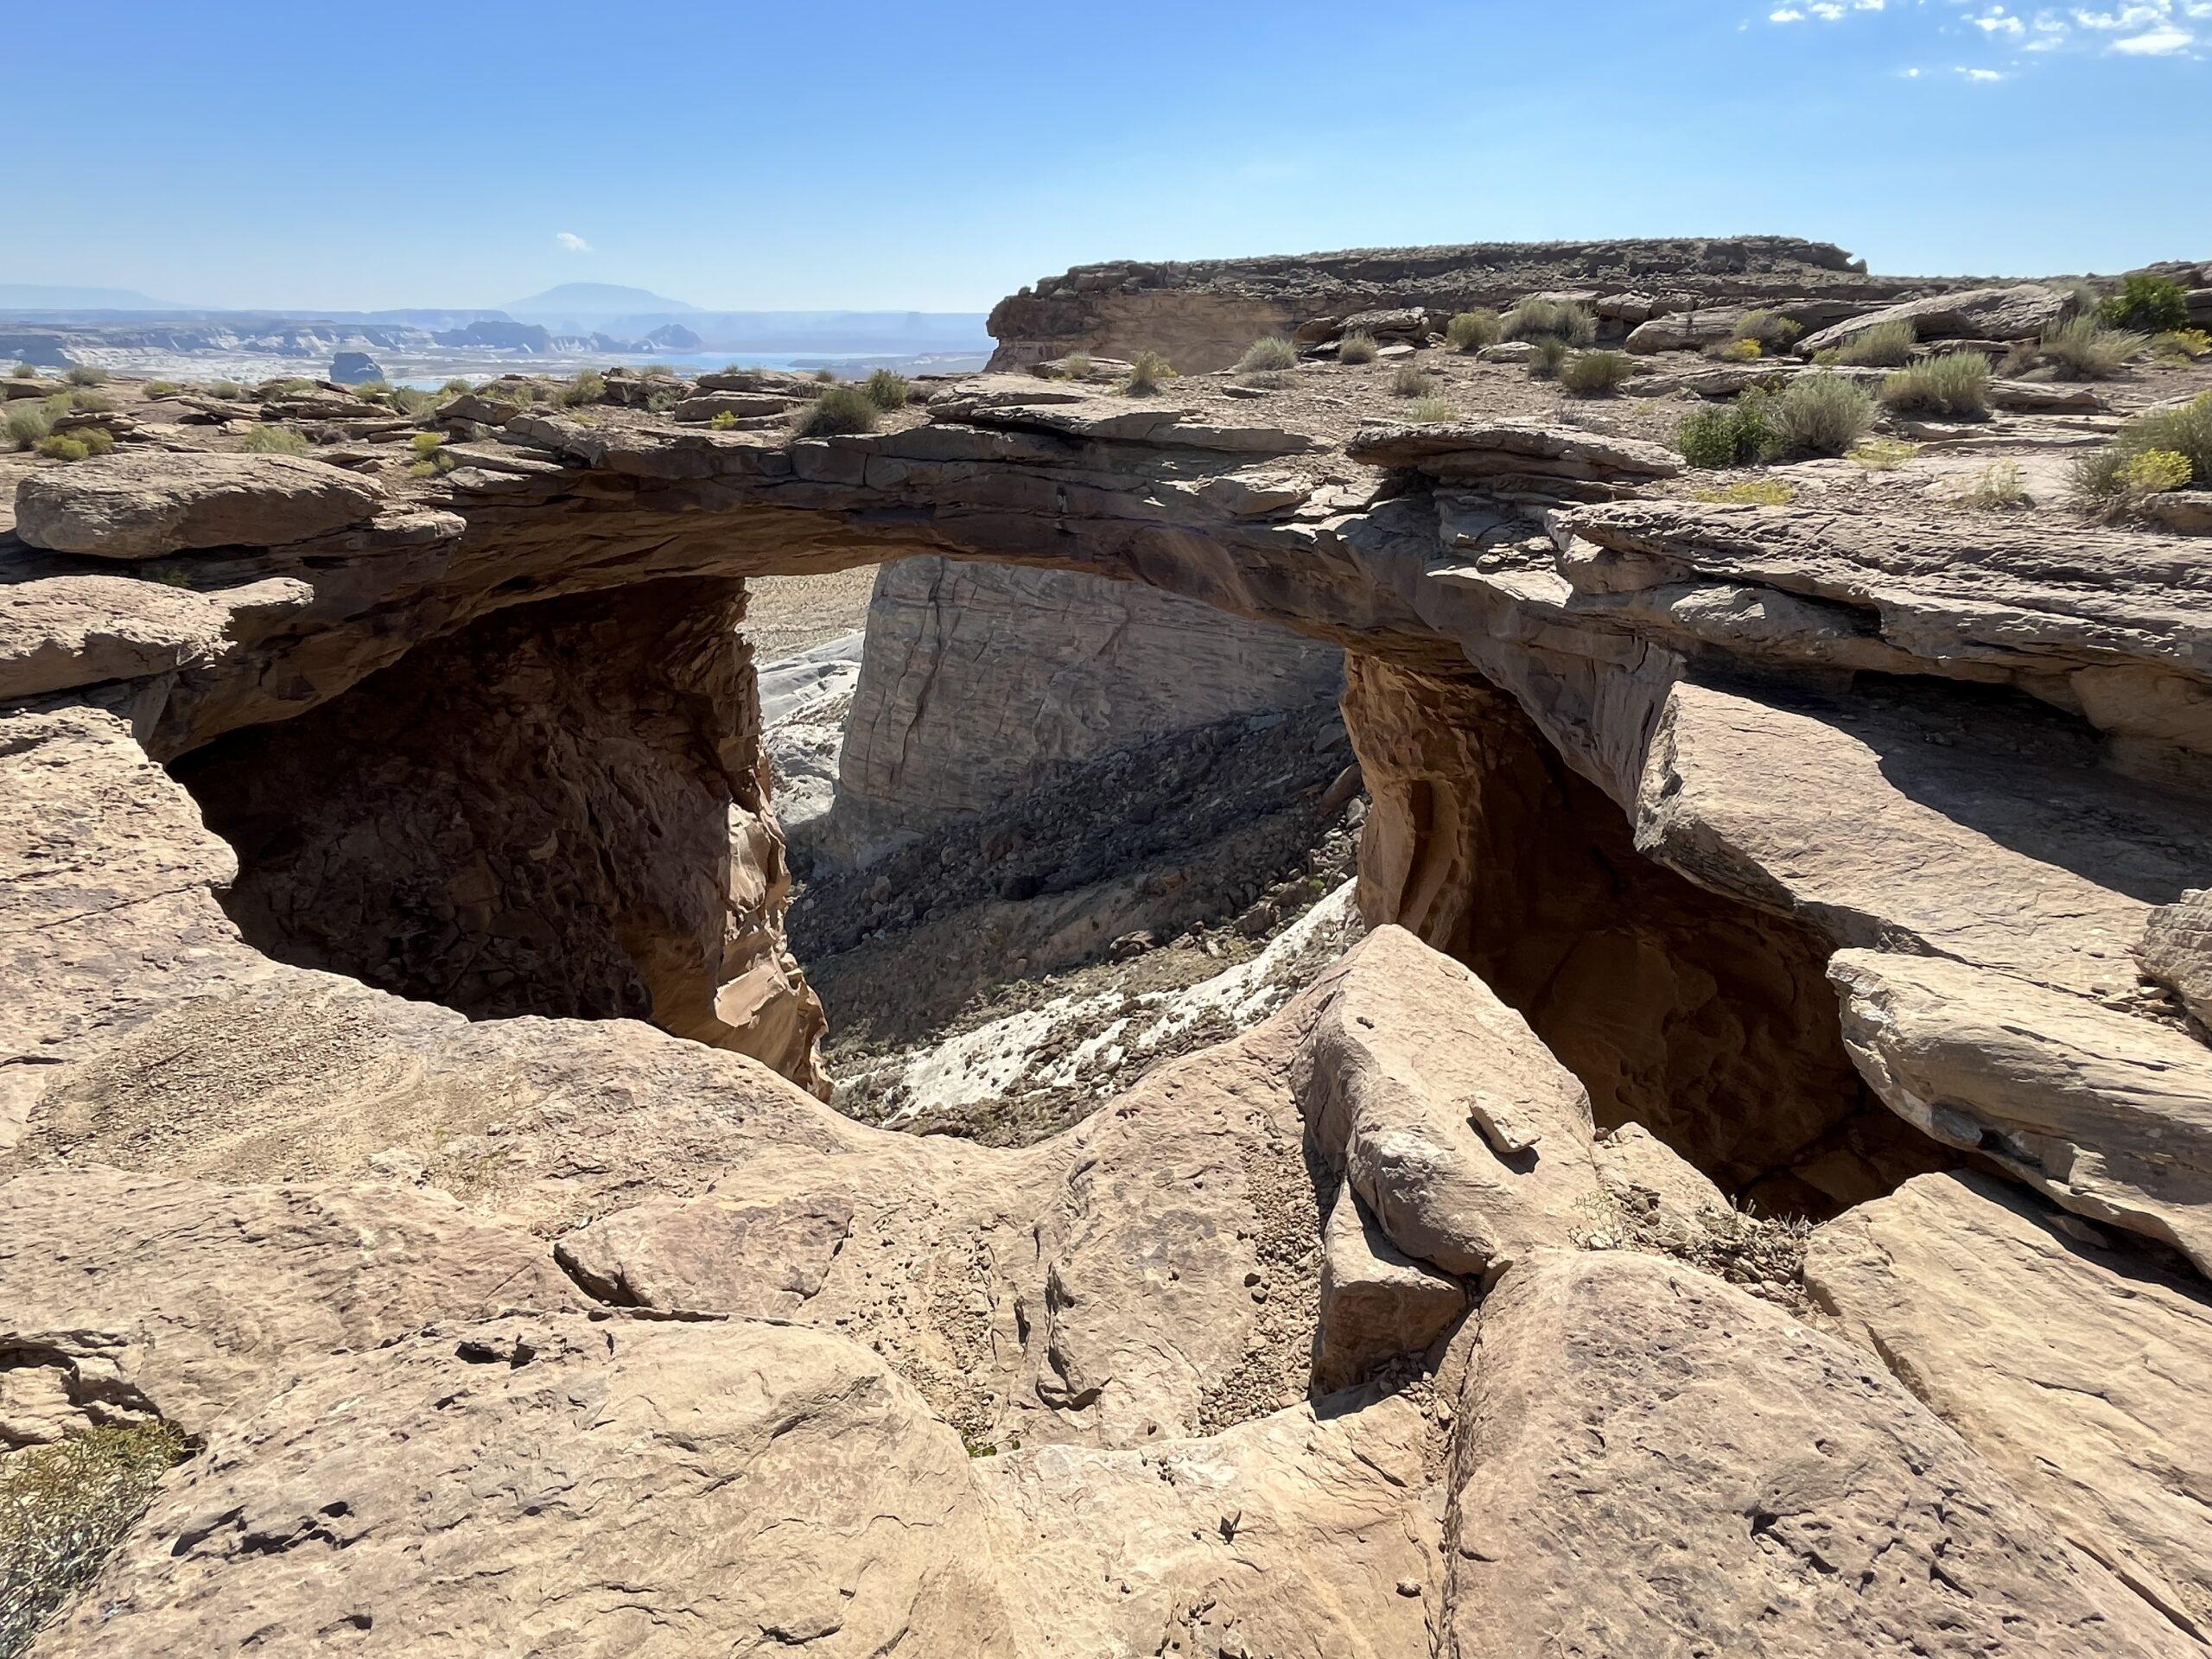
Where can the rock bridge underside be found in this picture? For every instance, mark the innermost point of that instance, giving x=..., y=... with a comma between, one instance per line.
x=410, y=1095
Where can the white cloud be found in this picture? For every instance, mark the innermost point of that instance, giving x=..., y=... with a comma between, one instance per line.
x=572, y=242
x=1980, y=77
x=2155, y=43
x=1786, y=14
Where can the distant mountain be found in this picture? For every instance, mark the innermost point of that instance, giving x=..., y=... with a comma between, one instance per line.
x=46, y=296
x=572, y=299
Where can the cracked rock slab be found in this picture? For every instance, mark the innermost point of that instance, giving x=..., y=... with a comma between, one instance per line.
x=141, y=505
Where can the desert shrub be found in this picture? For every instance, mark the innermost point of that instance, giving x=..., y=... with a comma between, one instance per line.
x=96, y=442
x=264, y=439
x=2155, y=472
x=29, y=420
x=413, y=400
x=91, y=403
x=887, y=390
x=2146, y=305
x=1819, y=415
x=1885, y=346
x=725, y=420
x=1885, y=454
x=588, y=386
x=1551, y=356
x=1538, y=318
x=1996, y=487
x=431, y=456
x=24, y=371
x=455, y=386
x=1269, y=352
x=826, y=377
x=2181, y=345
x=1147, y=372
x=1750, y=493
x=1955, y=386
x=1736, y=350
x=160, y=388
x=1410, y=381
x=1725, y=435
x=62, y=445
x=370, y=388
x=2083, y=348
x=1357, y=347
x=1470, y=331
x=838, y=411
x=1429, y=411
x=63, y=1509
x=1076, y=365
x=84, y=374
x=659, y=403
x=1769, y=329
x=285, y=388
x=226, y=389
x=1591, y=374
x=2186, y=431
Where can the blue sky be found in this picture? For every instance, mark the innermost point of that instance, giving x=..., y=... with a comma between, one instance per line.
x=320, y=153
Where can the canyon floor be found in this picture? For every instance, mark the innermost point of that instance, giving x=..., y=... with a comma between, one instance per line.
x=1645, y=1091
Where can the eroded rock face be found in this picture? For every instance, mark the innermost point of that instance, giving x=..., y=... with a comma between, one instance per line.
x=2177, y=950
x=139, y=506
x=463, y=802
x=977, y=680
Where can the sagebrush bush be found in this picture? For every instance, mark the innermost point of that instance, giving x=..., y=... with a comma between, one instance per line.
x=1736, y=350
x=2155, y=472
x=1819, y=415
x=2182, y=345
x=887, y=390
x=588, y=386
x=838, y=411
x=29, y=420
x=1955, y=386
x=413, y=400
x=24, y=371
x=2083, y=348
x=2146, y=305
x=160, y=389
x=1770, y=328
x=1430, y=410
x=1725, y=435
x=264, y=439
x=1885, y=346
x=59, y=446
x=63, y=1509
x=1470, y=331
x=1550, y=358
x=826, y=377
x=84, y=374
x=1148, y=371
x=1538, y=318
x=1076, y=365
x=226, y=389
x=431, y=456
x=92, y=403
x=1411, y=381
x=1591, y=374
x=1996, y=487
x=1268, y=352
x=2103, y=478
x=1357, y=347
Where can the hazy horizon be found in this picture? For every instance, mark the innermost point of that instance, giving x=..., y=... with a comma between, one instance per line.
x=937, y=161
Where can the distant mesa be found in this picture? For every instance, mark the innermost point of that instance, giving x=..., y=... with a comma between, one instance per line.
x=595, y=302
x=674, y=337
x=355, y=368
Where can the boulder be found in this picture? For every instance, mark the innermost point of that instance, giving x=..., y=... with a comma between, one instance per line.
x=1686, y=331
x=355, y=368
x=2177, y=950
x=1469, y=452
x=1376, y=1301
x=2076, y=1372
x=1651, y=1462
x=738, y=403
x=2022, y=311
x=140, y=507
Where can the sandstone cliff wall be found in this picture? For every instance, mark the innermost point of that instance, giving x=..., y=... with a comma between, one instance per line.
x=977, y=680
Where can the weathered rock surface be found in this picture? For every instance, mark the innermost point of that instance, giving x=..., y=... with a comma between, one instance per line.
x=976, y=681
x=2177, y=950
x=1376, y=1301
x=2022, y=311
x=2071, y=1369
x=139, y=506
x=1466, y=452
x=1650, y=1461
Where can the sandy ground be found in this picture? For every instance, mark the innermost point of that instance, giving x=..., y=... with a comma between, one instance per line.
x=785, y=616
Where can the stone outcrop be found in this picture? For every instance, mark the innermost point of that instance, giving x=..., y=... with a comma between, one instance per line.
x=144, y=506
x=2177, y=950
x=2022, y=311
x=978, y=681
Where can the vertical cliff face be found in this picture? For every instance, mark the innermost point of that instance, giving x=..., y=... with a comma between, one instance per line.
x=448, y=830
x=978, y=680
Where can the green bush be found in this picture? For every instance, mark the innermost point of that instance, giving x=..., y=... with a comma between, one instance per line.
x=226, y=389
x=1430, y=410
x=1591, y=374
x=825, y=377
x=2083, y=348
x=1357, y=347
x=725, y=420
x=1955, y=386
x=1772, y=331
x=1725, y=435
x=413, y=400
x=586, y=387
x=85, y=375
x=25, y=371
x=1539, y=318
x=2155, y=472
x=1147, y=372
x=887, y=390
x=263, y=439
x=59, y=446
x=30, y=419
x=1819, y=415
x=1411, y=381
x=1885, y=346
x=2146, y=305
x=1268, y=353
x=2116, y=474
x=1736, y=350
x=63, y=1509
x=2182, y=345
x=92, y=403
x=1470, y=331
x=160, y=389
x=1550, y=358
x=1076, y=365
x=838, y=411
